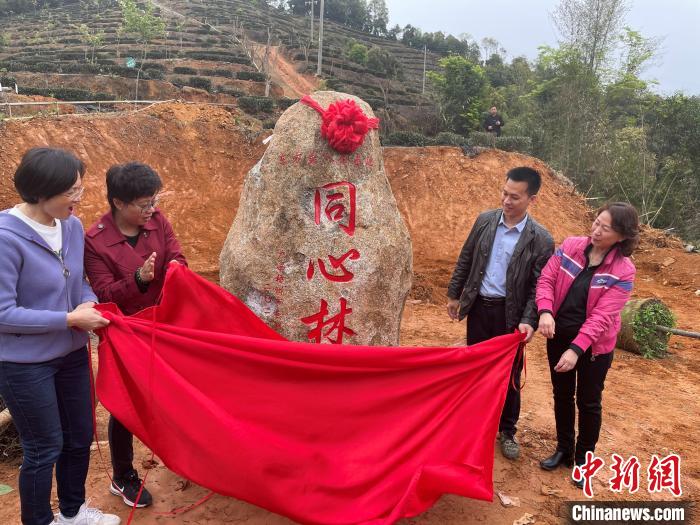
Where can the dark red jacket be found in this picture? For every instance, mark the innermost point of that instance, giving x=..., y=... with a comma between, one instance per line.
x=111, y=262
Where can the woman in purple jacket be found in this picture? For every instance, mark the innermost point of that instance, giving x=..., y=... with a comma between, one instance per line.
x=580, y=294
x=46, y=309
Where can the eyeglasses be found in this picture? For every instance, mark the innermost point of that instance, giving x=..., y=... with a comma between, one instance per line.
x=75, y=194
x=145, y=207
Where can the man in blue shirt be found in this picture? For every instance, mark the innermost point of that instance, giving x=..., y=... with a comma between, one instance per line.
x=495, y=278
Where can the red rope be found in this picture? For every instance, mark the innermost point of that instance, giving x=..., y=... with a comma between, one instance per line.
x=521, y=356
x=344, y=123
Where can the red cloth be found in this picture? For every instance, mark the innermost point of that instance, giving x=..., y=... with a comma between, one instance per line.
x=327, y=434
x=344, y=125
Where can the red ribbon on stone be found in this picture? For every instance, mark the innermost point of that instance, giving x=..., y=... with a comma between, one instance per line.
x=344, y=124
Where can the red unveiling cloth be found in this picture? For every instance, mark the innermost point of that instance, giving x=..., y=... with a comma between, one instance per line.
x=330, y=434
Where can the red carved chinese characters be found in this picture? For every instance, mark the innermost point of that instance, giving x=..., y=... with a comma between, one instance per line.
x=335, y=209
x=343, y=277
x=312, y=158
x=337, y=323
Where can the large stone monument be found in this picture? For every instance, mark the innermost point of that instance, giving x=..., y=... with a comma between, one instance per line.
x=318, y=249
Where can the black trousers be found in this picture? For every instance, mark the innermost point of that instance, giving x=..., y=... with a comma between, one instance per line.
x=121, y=448
x=487, y=320
x=586, y=382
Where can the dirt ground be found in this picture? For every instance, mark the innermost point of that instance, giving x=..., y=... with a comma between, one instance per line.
x=203, y=153
x=285, y=75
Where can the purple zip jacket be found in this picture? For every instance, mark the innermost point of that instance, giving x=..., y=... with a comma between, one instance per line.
x=37, y=290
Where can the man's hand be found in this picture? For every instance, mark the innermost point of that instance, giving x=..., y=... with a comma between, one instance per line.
x=490, y=128
x=453, y=308
x=525, y=328
x=567, y=361
x=546, y=325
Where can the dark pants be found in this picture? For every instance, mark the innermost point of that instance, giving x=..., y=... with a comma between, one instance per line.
x=586, y=382
x=50, y=405
x=487, y=320
x=121, y=447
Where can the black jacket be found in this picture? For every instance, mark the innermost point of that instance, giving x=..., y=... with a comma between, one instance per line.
x=531, y=253
x=491, y=121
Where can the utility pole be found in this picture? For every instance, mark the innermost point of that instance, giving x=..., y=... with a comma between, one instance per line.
x=320, y=42
x=266, y=64
x=311, y=35
x=425, y=60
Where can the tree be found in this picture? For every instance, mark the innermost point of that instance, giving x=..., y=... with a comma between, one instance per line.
x=377, y=17
x=299, y=7
x=591, y=27
x=357, y=53
x=352, y=13
x=92, y=40
x=627, y=97
x=144, y=25
x=490, y=46
x=673, y=130
x=394, y=32
x=460, y=88
x=386, y=68
x=568, y=98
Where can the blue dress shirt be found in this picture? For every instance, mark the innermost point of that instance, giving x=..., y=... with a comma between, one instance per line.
x=494, y=283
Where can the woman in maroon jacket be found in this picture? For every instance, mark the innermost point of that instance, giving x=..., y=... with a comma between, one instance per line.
x=127, y=253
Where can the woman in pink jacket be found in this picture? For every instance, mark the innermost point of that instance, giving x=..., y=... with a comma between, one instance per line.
x=580, y=294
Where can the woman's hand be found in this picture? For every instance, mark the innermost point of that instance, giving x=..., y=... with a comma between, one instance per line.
x=546, y=325
x=147, y=271
x=88, y=304
x=87, y=319
x=567, y=361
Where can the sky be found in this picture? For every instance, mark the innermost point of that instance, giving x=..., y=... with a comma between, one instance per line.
x=523, y=25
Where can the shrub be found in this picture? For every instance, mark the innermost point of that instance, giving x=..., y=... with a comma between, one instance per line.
x=217, y=73
x=407, y=138
x=447, y=138
x=251, y=75
x=199, y=82
x=81, y=68
x=153, y=74
x=256, y=104
x=232, y=92
x=358, y=53
x=522, y=144
x=332, y=83
x=49, y=67
x=284, y=103
x=65, y=93
x=375, y=103
x=482, y=139
x=184, y=70
x=179, y=82
x=8, y=81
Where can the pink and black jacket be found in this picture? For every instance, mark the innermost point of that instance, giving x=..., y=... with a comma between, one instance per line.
x=610, y=289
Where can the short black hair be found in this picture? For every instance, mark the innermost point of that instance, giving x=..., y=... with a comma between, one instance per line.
x=529, y=175
x=46, y=172
x=131, y=181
